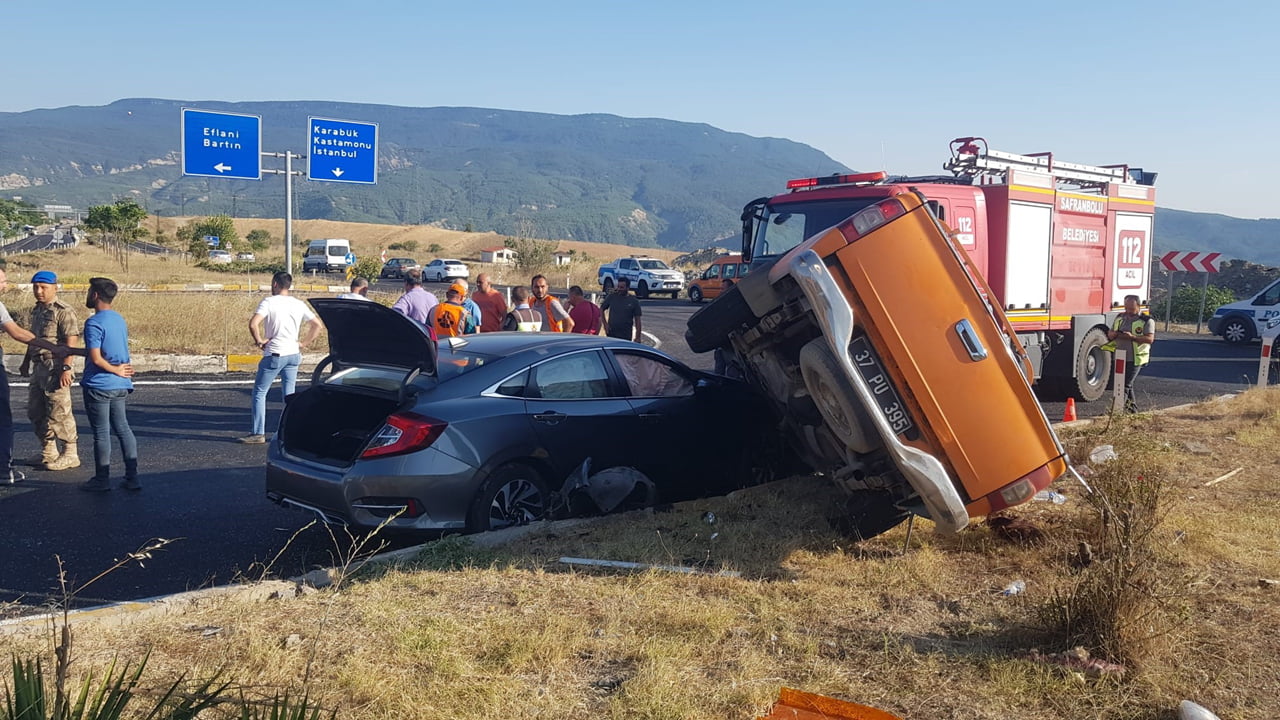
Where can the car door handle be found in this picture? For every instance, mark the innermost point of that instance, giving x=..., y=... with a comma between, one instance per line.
x=550, y=418
x=971, y=342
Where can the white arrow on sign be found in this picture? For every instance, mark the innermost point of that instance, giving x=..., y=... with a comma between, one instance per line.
x=337, y=172
x=221, y=168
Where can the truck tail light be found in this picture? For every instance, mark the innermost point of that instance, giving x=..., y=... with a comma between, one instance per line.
x=1021, y=490
x=404, y=432
x=870, y=218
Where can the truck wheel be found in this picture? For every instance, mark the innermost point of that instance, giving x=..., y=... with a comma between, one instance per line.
x=710, y=326
x=1093, y=367
x=834, y=396
x=642, y=290
x=1237, y=330
x=608, y=285
x=695, y=294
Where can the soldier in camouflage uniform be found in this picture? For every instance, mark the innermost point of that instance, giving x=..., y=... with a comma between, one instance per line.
x=49, y=395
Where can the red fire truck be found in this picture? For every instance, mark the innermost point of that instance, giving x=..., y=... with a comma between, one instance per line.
x=1060, y=244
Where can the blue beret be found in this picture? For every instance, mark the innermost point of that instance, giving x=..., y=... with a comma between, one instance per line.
x=44, y=276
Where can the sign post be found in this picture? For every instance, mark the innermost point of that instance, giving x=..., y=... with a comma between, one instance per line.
x=1202, y=262
x=1118, y=384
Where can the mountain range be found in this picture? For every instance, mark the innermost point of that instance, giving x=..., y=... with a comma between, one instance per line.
x=644, y=182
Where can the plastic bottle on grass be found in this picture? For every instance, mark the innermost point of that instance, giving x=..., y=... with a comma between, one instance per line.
x=1052, y=496
x=1014, y=588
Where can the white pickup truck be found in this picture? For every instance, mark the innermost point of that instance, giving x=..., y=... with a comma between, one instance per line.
x=647, y=275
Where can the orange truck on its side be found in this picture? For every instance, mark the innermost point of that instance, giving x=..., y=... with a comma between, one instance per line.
x=893, y=364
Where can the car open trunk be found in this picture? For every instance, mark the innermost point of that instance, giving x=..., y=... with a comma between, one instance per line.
x=332, y=426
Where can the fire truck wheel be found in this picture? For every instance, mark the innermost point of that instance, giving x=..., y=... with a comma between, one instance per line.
x=834, y=396
x=709, y=328
x=1093, y=366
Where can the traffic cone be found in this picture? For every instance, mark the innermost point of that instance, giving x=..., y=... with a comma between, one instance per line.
x=1070, y=413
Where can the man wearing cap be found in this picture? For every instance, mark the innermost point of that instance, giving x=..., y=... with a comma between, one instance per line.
x=49, y=394
x=449, y=318
x=468, y=304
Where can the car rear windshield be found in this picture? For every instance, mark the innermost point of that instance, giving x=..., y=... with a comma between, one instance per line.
x=788, y=224
x=451, y=364
x=653, y=265
x=337, y=250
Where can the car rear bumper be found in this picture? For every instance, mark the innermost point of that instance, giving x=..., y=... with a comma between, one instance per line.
x=926, y=474
x=368, y=493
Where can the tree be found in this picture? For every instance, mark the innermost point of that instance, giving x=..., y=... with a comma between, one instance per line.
x=259, y=240
x=368, y=268
x=1187, y=302
x=219, y=226
x=122, y=220
x=15, y=213
x=531, y=253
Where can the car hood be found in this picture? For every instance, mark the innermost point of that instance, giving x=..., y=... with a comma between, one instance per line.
x=368, y=333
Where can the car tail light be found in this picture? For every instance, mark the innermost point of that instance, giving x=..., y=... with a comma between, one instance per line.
x=404, y=432
x=1021, y=490
x=870, y=218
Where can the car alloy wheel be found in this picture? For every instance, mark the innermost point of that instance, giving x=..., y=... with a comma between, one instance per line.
x=513, y=495
x=1235, y=331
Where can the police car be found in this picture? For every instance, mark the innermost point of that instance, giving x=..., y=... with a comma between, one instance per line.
x=1242, y=321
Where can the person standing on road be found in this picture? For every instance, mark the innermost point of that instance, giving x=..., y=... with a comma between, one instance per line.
x=623, y=312
x=8, y=475
x=587, y=317
x=492, y=304
x=554, y=317
x=276, y=328
x=359, y=290
x=450, y=318
x=49, y=394
x=525, y=317
x=106, y=383
x=473, y=310
x=1133, y=332
x=416, y=303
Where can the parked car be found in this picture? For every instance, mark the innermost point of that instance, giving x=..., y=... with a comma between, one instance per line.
x=219, y=257
x=724, y=271
x=245, y=256
x=478, y=433
x=645, y=274
x=327, y=255
x=395, y=268
x=896, y=374
x=1245, y=320
x=441, y=269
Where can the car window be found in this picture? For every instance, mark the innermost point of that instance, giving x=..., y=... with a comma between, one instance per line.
x=713, y=272
x=514, y=386
x=580, y=376
x=1270, y=297
x=338, y=250
x=743, y=268
x=730, y=270
x=650, y=376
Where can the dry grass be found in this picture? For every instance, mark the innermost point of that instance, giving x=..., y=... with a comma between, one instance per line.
x=472, y=633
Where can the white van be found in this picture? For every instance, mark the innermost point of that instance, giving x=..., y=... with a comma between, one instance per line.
x=327, y=255
x=1245, y=320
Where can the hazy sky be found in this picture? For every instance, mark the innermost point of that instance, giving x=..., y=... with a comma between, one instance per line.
x=1187, y=89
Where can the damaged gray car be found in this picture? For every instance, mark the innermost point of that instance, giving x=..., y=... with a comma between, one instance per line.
x=499, y=429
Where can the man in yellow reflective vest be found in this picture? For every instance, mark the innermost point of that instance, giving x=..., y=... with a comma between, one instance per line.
x=1133, y=332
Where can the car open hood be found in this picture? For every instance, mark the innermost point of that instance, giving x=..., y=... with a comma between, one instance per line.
x=362, y=332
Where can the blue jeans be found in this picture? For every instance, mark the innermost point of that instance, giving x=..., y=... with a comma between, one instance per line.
x=107, y=417
x=286, y=366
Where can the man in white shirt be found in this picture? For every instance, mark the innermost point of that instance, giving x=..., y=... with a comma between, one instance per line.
x=275, y=327
x=359, y=290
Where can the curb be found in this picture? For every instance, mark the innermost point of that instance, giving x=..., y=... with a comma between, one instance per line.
x=189, y=364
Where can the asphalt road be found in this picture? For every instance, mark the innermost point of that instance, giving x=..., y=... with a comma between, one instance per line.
x=204, y=491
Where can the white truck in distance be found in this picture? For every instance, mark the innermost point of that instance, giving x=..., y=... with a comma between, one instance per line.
x=647, y=276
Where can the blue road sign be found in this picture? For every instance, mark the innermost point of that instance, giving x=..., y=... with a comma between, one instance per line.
x=219, y=144
x=342, y=151
x=212, y=240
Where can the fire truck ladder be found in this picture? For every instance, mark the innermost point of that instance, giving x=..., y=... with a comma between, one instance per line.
x=970, y=157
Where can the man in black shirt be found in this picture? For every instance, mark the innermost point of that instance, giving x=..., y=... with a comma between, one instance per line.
x=622, y=312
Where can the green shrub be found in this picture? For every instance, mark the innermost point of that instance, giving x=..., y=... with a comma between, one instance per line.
x=1186, y=303
x=407, y=245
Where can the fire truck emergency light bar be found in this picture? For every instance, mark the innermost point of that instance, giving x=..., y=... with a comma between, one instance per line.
x=870, y=178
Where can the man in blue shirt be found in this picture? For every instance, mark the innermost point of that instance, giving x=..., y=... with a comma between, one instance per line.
x=106, y=383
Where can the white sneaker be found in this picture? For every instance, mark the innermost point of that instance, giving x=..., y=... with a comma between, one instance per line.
x=15, y=476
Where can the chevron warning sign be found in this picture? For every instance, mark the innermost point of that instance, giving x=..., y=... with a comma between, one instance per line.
x=1191, y=261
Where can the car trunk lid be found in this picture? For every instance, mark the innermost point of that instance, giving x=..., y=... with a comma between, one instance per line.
x=365, y=333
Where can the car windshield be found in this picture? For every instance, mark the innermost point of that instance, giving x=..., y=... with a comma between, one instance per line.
x=653, y=265
x=786, y=225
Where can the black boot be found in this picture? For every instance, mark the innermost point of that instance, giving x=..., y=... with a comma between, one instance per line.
x=100, y=482
x=131, y=475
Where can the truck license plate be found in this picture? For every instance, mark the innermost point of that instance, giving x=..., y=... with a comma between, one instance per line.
x=864, y=358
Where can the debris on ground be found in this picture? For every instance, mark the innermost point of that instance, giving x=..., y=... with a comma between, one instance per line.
x=1015, y=529
x=1188, y=710
x=646, y=566
x=799, y=705
x=1102, y=454
x=1052, y=496
x=608, y=488
x=1014, y=588
x=1267, y=584
x=1220, y=478
x=1077, y=660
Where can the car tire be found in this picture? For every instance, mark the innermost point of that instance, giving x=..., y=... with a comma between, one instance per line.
x=1237, y=330
x=695, y=294
x=832, y=392
x=513, y=494
x=608, y=285
x=1092, y=367
x=642, y=290
x=709, y=328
